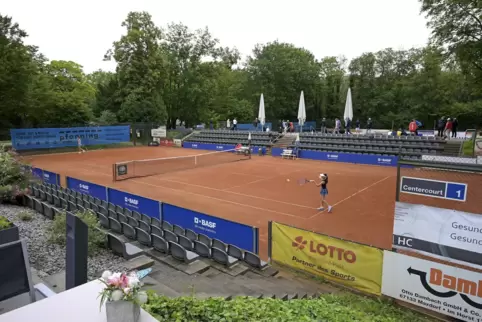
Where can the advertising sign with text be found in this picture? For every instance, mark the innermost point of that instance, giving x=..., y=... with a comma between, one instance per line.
x=87, y=188
x=451, y=235
x=351, y=264
x=229, y=232
x=441, y=288
x=133, y=202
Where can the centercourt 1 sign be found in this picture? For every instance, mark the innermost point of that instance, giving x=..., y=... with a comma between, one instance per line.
x=434, y=188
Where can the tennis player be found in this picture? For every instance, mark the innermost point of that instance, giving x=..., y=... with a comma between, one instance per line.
x=323, y=192
x=79, y=144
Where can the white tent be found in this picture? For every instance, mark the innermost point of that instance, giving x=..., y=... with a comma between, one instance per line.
x=348, y=107
x=261, y=112
x=301, y=111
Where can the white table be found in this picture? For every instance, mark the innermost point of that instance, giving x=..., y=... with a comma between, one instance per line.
x=80, y=304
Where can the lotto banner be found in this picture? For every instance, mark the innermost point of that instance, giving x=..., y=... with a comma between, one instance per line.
x=353, y=265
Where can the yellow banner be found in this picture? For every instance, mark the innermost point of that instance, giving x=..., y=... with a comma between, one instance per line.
x=353, y=265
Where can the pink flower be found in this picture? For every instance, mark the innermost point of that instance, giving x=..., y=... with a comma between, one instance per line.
x=114, y=281
x=124, y=281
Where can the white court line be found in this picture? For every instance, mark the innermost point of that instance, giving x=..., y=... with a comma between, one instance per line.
x=233, y=192
x=196, y=194
x=353, y=195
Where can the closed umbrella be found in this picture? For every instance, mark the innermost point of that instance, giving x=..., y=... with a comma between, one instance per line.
x=301, y=111
x=261, y=112
x=348, y=107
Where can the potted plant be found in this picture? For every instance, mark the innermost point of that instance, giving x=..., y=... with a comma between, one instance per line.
x=122, y=296
x=8, y=231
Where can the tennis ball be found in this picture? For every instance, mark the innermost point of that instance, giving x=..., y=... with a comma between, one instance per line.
x=287, y=180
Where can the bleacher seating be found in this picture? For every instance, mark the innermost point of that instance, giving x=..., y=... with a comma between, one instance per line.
x=412, y=147
x=131, y=234
x=234, y=137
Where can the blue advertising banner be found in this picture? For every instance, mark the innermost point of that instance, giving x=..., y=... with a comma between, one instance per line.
x=50, y=177
x=208, y=146
x=229, y=232
x=143, y=205
x=91, y=189
x=276, y=152
x=36, y=172
x=44, y=138
x=350, y=158
x=250, y=126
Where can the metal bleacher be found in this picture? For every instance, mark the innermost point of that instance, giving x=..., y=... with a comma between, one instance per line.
x=234, y=137
x=410, y=147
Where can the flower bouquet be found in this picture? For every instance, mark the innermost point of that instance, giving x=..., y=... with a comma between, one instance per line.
x=122, y=296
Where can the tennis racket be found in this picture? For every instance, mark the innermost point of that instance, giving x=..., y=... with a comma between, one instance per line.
x=303, y=181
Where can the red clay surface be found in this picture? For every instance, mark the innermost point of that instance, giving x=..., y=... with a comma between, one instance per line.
x=254, y=192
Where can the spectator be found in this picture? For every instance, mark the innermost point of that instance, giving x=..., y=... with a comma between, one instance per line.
x=448, y=129
x=211, y=125
x=441, y=126
x=255, y=123
x=413, y=127
x=292, y=127
x=348, y=126
x=323, y=125
x=455, y=125
x=369, y=125
x=235, y=124
x=337, y=126
x=357, y=126
x=228, y=124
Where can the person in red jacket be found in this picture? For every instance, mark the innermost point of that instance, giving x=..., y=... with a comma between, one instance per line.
x=448, y=128
x=413, y=127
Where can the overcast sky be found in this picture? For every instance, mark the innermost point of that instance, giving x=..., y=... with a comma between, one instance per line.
x=82, y=31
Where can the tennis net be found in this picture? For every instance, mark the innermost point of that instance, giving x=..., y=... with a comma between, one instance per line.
x=149, y=167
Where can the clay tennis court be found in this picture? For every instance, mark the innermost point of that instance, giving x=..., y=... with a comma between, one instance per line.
x=254, y=191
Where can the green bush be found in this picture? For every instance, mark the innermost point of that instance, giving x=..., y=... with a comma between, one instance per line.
x=13, y=179
x=25, y=216
x=342, y=308
x=57, y=231
x=5, y=223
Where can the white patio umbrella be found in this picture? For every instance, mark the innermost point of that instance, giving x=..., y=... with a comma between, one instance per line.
x=301, y=111
x=261, y=112
x=348, y=107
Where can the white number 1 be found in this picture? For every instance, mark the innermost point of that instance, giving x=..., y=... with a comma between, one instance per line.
x=458, y=192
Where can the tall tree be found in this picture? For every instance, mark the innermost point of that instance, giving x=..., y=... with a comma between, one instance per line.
x=281, y=71
x=72, y=95
x=186, y=90
x=19, y=68
x=140, y=70
x=457, y=25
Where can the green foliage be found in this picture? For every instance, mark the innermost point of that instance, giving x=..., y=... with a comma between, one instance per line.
x=5, y=223
x=175, y=73
x=13, y=180
x=25, y=216
x=456, y=25
x=326, y=308
x=107, y=118
x=57, y=233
